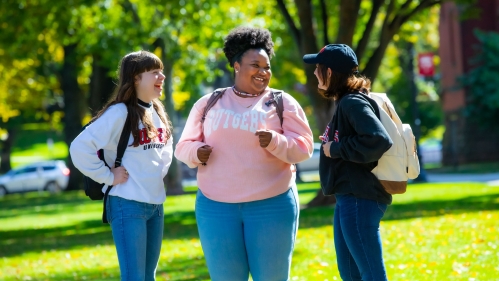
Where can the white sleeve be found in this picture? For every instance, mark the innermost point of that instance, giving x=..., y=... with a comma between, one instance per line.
x=167, y=156
x=103, y=133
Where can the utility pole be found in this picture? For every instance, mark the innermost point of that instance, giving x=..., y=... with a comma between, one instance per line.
x=415, y=112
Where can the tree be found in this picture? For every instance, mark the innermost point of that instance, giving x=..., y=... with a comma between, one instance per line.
x=81, y=50
x=356, y=26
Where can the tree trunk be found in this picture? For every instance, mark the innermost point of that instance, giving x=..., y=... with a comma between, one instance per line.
x=73, y=101
x=364, y=40
x=173, y=180
x=372, y=67
x=101, y=86
x=349, y=12
x=322, y=107
x=6, y=151
x=309, y=46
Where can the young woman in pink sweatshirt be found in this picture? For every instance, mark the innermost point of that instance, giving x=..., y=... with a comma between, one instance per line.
x=247, y=206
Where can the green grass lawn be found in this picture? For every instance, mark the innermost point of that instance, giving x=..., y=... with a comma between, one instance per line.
x=433, y=232
x=32, y=145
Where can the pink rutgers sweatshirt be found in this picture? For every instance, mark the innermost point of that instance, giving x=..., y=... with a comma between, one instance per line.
x=239, y=170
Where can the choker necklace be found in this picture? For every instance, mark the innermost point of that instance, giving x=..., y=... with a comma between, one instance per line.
x=243, y=94
x=144, y=104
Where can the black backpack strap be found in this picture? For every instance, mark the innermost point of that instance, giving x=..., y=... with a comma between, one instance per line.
x=100, y=152
x=278, y=102
x=217, y=94
x=122, y=144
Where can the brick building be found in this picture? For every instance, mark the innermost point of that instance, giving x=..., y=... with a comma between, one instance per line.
x=463, y=142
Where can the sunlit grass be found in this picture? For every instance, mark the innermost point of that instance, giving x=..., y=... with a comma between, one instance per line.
x=39, y=152
x=433, y=232
x=37, y=142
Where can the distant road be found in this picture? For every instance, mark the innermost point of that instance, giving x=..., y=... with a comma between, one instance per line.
x=491, y=178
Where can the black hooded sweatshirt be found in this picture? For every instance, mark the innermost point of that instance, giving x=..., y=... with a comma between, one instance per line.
x=358, y=141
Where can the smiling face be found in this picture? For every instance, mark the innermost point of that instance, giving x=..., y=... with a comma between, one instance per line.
x=149, y=85
x=253, y=72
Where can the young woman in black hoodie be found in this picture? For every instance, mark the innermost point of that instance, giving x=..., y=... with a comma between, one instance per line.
x=353, y=142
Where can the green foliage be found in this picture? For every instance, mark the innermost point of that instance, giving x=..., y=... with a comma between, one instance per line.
x=430, y=111
x=422, y=33
x=483, y=94
x=433, y=232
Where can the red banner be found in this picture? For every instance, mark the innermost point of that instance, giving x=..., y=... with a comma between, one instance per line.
x=425, y=64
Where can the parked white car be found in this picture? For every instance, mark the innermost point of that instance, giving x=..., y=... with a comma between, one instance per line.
x=311, y=164
x=52, y=176
x=431, y=151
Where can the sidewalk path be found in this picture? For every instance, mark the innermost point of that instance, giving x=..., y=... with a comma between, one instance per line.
x=491, y=178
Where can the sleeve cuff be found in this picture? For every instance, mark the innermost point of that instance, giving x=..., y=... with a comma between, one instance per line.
x=110, y=179
x=273, y=142
x=195, y=152
x=334, y=150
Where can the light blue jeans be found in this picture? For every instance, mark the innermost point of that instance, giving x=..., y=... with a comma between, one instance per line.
x=254, y=237
x=357, y=239
x=137, y=232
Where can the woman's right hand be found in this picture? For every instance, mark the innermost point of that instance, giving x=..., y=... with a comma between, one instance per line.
x=204, y=153
x=120, y=175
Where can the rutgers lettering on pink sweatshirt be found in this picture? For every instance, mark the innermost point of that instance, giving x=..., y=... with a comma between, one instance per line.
x=239, y=170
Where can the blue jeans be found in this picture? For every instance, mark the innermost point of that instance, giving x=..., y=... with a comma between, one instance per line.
x=255, y=237
x=137, y=232
x=357, y=239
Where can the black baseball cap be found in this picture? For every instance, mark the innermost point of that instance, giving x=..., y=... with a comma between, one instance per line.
x=339, y=57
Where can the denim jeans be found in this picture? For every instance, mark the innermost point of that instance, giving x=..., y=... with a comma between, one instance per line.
x=357, y=239
x=137, y=232
x=255, y=237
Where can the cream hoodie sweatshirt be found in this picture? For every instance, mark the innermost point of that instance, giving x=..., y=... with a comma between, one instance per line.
x=239, y=170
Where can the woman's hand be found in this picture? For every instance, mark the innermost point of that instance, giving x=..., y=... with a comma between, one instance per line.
x=264, y=136
x=120, y=175
x=326, y=147
x=204, y=153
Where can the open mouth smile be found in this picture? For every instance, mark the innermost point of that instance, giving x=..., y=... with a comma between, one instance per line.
x=259, y=80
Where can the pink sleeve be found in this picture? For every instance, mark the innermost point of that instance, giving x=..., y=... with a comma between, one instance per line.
x=296, y=143
x=192, y=137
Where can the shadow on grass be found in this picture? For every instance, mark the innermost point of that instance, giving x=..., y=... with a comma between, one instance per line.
x=179, y=269
x=178, y=225
x=35, y=202
x=320, y=216
x=182, y=224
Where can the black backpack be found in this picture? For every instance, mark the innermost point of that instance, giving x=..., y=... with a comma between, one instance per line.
x=276, y=100
x=92, y=188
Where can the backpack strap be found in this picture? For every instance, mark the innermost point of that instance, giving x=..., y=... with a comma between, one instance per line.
x=375, y=106
x=122, y=144
x=278, y=102
x=217, y=94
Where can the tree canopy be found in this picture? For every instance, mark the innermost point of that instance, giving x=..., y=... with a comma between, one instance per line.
x=59, y=59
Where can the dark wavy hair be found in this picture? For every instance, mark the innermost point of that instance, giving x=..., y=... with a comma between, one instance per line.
x=341, y=84
x=132, y=65
x=242, y=39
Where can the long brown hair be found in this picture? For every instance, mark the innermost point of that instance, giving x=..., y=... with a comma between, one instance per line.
x=341, y=84
x=131, y=66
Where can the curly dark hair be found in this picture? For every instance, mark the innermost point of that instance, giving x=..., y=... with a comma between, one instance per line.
x=242, y=38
